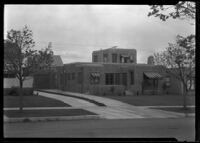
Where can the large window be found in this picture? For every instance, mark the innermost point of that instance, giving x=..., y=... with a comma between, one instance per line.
x=114, y=58
x=124, y=79
x=109, y=78
x=73, y=76
x=80, y=77
x=95, y=58
x=117, y=78
x=132, y=77
x=69, y=76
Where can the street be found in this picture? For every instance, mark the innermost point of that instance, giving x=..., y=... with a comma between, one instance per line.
x=180, y=128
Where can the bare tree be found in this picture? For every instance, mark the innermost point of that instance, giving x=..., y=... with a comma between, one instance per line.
x=179, y=58
x=20, y=58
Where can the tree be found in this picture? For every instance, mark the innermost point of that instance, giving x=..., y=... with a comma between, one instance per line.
x=179, y=58
x=19, y=56
x=182, y=10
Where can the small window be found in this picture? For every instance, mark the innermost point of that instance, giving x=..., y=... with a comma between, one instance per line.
x=132, y=77
x=95, y=58
x=94, y=78
x=114, y=58
x=167, y=80
x=109, y=78
x=69, y=76
x=105, y=57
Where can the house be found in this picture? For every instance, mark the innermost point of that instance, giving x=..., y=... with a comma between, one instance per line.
x=112, y=78
x=112, y=71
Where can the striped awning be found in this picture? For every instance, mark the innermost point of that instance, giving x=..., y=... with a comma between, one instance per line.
x=153, y=75
x=95, y=75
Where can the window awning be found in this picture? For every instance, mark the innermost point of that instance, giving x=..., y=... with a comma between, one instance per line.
x=125, y=56
x=95, y=75
x=153, y=75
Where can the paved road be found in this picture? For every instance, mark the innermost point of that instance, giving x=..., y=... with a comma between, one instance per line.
x=180, y=128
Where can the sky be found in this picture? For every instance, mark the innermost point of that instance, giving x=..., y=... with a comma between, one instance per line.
x=77, y=30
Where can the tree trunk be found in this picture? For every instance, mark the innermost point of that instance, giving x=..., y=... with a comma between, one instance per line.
x=21, y=96
x=184, y=97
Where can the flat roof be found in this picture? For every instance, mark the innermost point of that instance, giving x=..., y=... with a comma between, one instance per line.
x=114, y=49
x=102, y=64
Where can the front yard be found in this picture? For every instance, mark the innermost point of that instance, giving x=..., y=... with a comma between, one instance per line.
x=178, y=109
x=154, y=100
x=46, y=113
x=32, y=101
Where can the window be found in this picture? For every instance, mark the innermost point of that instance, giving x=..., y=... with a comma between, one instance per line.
x=132, y=77
x=105, y=57
x=124, y=79
x=73, y=76
x=95, y=58
x=66, y=78
x=117, y=78
x=109, y=78
x=94, y=78
x=80, y=78
x=114, y=58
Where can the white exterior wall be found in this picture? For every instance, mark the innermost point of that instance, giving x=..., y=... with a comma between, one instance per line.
x=10, y=82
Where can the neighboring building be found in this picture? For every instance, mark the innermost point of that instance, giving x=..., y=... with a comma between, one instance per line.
x=114, y=55
x=41, y=79
x=49, y=78
x=57, y=61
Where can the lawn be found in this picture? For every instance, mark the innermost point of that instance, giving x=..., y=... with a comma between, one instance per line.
x=154, y=100
x=33, y=101
x=46, y=113
x=179, y=109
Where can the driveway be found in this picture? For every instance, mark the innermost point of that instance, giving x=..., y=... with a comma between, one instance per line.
x=114, y=109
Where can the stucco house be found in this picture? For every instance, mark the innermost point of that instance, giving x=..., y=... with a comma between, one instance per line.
x=112, y=71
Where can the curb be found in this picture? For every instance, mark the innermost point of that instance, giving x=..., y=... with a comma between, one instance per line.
x=51, y=118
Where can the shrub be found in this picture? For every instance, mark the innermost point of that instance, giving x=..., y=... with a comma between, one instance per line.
x=14, y=91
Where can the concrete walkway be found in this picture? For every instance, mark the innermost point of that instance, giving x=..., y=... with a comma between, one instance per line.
x=114, y=109
x=74, y=102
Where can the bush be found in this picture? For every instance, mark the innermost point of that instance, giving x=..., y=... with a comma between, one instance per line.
x=14, y=91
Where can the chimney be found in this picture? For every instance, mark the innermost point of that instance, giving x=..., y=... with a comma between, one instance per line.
x=150, y=60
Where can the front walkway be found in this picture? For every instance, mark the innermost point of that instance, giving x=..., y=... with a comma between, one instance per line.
x=114, y=109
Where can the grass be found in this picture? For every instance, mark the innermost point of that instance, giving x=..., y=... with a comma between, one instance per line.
x=83, y=98
x=46, y=113
x=179, y=109
x=155, y=100
x=32, y=101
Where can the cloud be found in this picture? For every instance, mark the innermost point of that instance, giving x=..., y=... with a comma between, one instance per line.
x=77, y=30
